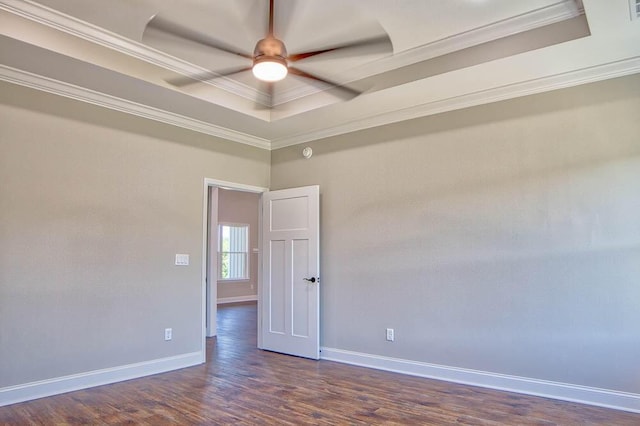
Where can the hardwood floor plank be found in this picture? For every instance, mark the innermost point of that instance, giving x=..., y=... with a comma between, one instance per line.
x=242, y=385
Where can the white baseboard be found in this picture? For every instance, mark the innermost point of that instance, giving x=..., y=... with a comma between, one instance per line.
x=58, y=385
x=237, y=299
x=563, y=391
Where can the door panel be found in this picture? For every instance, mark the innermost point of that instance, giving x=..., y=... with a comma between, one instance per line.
x=290, y=214
x=291, y=299
x=301, y=289
x=277, y=298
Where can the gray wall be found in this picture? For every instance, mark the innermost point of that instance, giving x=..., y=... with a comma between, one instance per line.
x=240, y=207
x=94, y=206
x=502, y=238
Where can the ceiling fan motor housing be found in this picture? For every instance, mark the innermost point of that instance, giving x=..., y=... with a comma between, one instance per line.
x=270, y=48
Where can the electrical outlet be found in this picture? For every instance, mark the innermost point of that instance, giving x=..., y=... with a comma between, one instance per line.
x=168, y=334
x=390, y=335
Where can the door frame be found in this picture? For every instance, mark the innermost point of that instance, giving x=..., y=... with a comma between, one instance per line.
x=211, y=301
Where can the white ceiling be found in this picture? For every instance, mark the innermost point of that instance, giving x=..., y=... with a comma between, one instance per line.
x=443, y=55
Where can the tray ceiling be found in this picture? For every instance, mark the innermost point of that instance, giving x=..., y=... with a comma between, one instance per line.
x=442, y=56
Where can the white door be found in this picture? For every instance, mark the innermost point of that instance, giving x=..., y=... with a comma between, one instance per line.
x=290, y=285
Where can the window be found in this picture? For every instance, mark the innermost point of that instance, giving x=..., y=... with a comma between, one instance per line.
x=233, y=251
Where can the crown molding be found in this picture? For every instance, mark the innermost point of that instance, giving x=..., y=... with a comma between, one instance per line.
x=60, y=21
x=38, y=82
x=510, y=91
x=500, y=93
x=548, y=15
x=558, y=12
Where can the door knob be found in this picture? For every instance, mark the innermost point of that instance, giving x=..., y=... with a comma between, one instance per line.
x=312, y=279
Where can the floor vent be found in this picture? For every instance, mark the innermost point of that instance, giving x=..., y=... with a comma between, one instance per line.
x=634, y=6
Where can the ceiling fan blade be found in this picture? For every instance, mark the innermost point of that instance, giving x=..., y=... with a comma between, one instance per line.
x=359, y=43
x=160, y=24
x=300, y=73
x=205, y=76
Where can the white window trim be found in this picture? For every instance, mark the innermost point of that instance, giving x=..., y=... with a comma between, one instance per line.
x=248, y=272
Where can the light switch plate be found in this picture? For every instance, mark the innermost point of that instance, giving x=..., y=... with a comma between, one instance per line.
x=182, y=259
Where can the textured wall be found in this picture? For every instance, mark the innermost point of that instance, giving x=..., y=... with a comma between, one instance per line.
x=501, y=238
x=94, y=206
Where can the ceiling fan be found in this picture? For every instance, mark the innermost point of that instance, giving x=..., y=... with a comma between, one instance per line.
x=270, y=61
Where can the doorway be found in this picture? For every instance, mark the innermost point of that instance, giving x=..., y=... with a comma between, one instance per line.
x=211, y=207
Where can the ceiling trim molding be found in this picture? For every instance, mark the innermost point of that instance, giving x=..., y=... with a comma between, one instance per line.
x=560, y=11
x=57, y=87
x=548, y=15
x=60, y=21
x=510, y=91
x=559, y=81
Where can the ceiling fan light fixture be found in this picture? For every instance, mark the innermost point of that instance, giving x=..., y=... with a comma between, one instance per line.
x=270, y=60
x=270, y=69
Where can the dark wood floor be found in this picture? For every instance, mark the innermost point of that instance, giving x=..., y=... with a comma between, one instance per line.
x=241, y=385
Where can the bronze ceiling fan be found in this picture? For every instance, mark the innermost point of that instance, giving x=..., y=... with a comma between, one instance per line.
x=270, y=60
